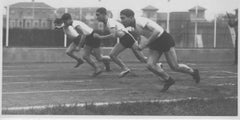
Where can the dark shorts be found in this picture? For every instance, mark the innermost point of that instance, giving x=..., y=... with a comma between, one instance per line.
x=92, y=42
x=77, y=40
x=163, y=43
x=127, y=40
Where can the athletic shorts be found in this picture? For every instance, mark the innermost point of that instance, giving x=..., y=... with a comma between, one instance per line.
x=76, y=40
x=92, y=42
x=163, y=43
x=127, y=40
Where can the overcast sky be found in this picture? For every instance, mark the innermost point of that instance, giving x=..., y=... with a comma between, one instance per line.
x=213, y=6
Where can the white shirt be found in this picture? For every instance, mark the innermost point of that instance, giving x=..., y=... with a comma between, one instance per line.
x=141, y=26
x=71, y=31
x=85, y=28
x=111, y=23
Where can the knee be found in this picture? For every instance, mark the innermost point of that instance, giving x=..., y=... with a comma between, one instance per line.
x=150, y=66
x=85, y=57
x=68, y=52
x=112, y=56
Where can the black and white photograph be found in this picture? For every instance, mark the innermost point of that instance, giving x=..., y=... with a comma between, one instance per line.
x=120, y=58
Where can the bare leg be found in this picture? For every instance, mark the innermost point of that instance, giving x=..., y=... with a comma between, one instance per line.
x=171, y=58
x=86, y=56
x=153, y=58
x=139, y=54
x=70, y=52
x=118, y=48
x=114, y=56
x=104, y=59
x=173, y=63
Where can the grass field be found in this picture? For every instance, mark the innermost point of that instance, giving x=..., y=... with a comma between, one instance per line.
x=57, y=88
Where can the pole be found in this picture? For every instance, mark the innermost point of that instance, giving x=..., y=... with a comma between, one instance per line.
x=215, y=32
x=33, y=9
x=65, y=36
x=7, y=26
x=196, y=25
x=195, y=38
x=80, y=14
x=168, y=18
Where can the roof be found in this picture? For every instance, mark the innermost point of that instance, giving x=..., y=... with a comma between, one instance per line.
x=197, y=7
x=75, y=12
x=31, y=4
x=149, y=7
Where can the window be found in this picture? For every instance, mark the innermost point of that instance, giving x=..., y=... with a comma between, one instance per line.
x=20, y=24
x=36, y=24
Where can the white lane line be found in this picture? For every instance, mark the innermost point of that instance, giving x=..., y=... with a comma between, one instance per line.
x=9, y=66
x=59, y=91
x=224, y=84
x=229, y=72
x=16, y=76
x=110, y=103
x=29, y=70
x=214, y=71
x=222, y=77
x=47, y=82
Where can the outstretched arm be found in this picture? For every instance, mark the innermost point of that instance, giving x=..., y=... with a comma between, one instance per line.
x=112, y=35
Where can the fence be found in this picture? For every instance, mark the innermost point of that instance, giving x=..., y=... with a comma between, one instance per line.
x=42, y=38
x=182, y=31
x=184, y=34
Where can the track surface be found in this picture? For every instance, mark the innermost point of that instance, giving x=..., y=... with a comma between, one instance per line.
x=44, y=84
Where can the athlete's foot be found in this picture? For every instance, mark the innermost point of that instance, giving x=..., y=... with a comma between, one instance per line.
x=196, y=75
x=79, y=62
x=167, y=84
x=97, y=72
x=124, y=73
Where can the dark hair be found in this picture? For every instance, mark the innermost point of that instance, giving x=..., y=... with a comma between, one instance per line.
x=127, y=12
x=102, y=10
x=58, y=21
x=66, y=16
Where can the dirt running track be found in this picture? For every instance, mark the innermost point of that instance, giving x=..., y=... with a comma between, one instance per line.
x=42, y=84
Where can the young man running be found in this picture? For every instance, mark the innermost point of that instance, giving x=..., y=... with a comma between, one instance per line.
x=159, y=42
x=72, y=35
x=117, y=30
x=92, y=45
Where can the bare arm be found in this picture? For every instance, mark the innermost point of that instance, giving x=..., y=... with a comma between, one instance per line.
x=82, y=40
x=153, y=36
x=109, y=36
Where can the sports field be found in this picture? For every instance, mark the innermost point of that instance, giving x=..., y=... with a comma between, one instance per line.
x=39, y=85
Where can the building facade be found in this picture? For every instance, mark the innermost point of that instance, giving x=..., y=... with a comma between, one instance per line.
x=30, y=15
